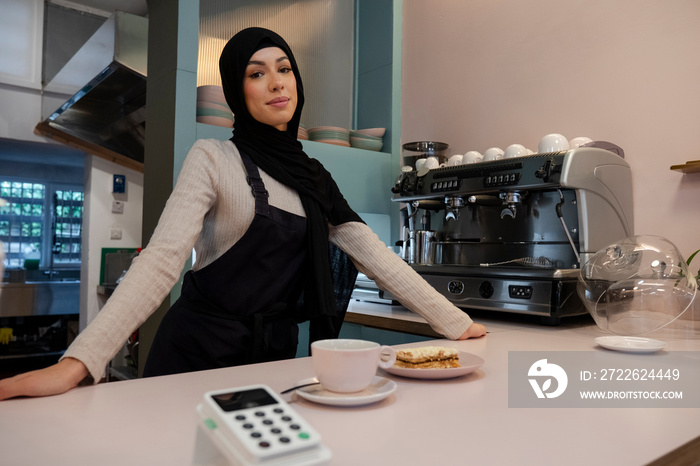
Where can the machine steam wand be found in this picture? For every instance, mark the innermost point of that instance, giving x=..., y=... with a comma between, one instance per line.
x=563, y=224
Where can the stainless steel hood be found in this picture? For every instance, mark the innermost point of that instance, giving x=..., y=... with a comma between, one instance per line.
x=106, y=116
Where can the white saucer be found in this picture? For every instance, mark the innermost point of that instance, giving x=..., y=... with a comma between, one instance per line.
x=468, y=362
x=377, y=391
x=631, y=344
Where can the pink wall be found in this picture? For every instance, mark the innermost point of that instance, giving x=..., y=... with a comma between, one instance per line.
x=483, y=73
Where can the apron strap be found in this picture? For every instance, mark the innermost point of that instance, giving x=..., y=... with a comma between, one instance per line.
x=262, y=206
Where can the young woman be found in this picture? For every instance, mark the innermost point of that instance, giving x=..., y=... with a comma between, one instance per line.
x=262, y=217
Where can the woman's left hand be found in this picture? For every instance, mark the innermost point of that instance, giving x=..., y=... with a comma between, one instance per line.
x=474, y=330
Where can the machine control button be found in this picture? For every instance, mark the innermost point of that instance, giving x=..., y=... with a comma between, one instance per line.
x=455, y=287
x=486, y=289
x=439, y=186
x=508, y=179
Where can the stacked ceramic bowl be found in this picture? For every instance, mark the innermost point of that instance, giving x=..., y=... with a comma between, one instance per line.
x=302, y=133
x=330, y=135
x=212, y=108
x=368, y=139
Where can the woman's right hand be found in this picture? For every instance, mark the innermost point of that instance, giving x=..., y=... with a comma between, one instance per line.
x=53, y=380
x=475, y=330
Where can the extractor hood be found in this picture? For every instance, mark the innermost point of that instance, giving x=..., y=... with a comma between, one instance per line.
x=106, y=115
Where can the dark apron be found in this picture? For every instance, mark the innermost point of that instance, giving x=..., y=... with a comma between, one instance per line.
x=240, y=308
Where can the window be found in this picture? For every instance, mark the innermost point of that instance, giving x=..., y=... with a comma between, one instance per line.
x=41, y=221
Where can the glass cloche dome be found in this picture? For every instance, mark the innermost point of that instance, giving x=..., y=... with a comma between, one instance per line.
x=637, y=286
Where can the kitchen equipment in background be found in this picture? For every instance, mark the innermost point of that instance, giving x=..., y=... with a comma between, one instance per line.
x=368, y=291
x=536, y=215
x=638, y=286
x=37, y=337
x=37, y=320
x=414, y=151
x=115, y=263
x=106, y=114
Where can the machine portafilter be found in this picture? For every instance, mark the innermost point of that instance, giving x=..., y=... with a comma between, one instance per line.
x=452, y=206
x=511, y=200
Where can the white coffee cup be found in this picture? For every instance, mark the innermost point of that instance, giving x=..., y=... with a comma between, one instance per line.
x=347, y=366
x=455, y=160
x=514, y=150
x=432, y=162
x=553, y=142
x=420, y=163
x=472, y=157
x=493, y=153
x=577, y=142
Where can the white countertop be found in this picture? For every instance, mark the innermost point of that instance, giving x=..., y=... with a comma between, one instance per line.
x=458, y=421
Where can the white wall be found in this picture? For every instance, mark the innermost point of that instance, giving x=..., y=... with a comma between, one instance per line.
x=482, y=73
x=20, y=68
x=20, y=111
x=98, y=221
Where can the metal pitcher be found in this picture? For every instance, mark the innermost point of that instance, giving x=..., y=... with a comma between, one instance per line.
x=422, y=246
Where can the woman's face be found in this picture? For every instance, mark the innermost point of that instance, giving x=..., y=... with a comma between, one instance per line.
x=270, y=88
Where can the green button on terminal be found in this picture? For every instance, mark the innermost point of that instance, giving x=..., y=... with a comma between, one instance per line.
x=303, y=435
x=209, y=423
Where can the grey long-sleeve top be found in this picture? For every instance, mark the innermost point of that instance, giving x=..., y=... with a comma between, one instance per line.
x=210, y=209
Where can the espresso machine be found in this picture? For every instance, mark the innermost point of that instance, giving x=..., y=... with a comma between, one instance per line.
x=511, y=235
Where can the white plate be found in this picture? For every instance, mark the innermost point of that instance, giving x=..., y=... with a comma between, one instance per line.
x=377, y=391
x=468, y=362
x=630, y=344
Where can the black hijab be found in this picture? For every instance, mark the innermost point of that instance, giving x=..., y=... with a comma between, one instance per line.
x=281, y=156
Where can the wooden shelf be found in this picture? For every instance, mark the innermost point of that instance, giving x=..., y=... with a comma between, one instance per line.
x=691, y=166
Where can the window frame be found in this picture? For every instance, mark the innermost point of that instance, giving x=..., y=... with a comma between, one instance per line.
x=46, y=242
